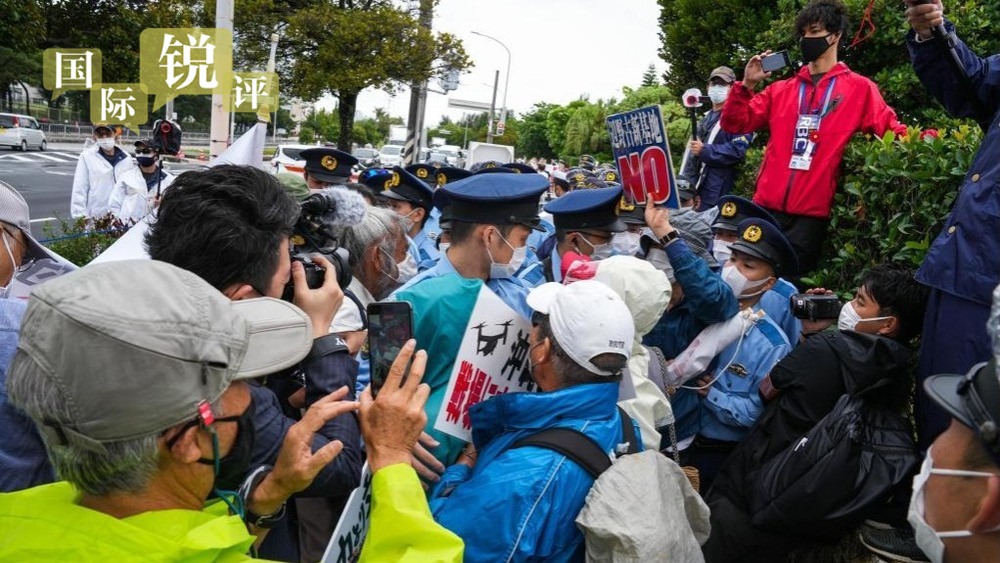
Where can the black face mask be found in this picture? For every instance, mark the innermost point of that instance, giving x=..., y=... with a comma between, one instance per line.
x=814, y=47
x=146, y=161
x=234, y=466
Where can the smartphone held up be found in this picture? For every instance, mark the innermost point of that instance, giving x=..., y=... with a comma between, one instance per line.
x=390, y=326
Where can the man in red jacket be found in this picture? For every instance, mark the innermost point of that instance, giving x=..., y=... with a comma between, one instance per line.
x=811, y=116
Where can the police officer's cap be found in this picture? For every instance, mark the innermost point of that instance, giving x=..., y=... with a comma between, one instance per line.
x=328, y=165
x=489, y=166
x=588, y=209
x=734, y=209
x=685, y=191
x=609, y=175
x=587, y=161
x=520, y=168
x=405, y=186
x=494, y=199
x=377, y=179
x=424, y=171
x=448, y=174
x=581, y=179
x=761, y=239
x=629, y=211
x=560, y=178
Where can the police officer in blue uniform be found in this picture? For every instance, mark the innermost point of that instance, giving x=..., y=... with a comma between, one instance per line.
x=585, y=221
x=520, y=168
x=777, y=301
x=720, y=407
x=491, y=216
x=411, y=198
x=428, y=173
x=326, y=167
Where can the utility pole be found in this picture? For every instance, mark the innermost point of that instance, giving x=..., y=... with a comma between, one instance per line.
x=277, y=105
x=493, y=107
x=219, y=134
x=418, y=99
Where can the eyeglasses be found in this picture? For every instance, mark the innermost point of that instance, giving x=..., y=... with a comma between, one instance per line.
x=144, y=151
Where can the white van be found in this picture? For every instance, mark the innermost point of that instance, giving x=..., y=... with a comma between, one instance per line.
x=21, y=132
x=391, y=155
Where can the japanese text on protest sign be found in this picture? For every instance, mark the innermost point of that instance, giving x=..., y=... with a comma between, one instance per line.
x=639, y=143
x=185, y=61
x=123, y=104
x=349, y=535
x=71, y=69
x=253, y=92
x=492, y=360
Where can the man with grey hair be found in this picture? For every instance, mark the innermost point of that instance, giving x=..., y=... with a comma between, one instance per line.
x=137, y=392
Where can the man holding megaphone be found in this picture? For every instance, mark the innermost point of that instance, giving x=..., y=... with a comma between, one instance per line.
x=712, y=157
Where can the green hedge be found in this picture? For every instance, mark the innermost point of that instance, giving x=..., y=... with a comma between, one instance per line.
x=892, y=200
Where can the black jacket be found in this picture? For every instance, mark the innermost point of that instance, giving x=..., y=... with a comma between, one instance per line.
x=811, y=379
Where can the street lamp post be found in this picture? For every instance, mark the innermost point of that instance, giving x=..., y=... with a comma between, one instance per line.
x=506, y=80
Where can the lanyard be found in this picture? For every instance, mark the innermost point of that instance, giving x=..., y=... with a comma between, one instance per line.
x=804, y=109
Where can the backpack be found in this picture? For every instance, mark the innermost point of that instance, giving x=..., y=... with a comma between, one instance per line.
x=641, y=507
x=825, y=484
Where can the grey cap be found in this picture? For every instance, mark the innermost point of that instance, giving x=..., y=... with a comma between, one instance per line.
x=134, y=347
x=14, y=211
x=725, y=73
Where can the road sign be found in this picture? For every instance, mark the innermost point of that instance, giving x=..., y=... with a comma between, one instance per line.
x=466, y=104
x=639, y=143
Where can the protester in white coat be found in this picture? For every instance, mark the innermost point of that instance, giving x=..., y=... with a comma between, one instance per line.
x=138, y=191
x=99, y=169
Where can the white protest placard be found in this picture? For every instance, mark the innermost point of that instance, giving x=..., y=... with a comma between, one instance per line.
x=492, y=360
x=349, y=535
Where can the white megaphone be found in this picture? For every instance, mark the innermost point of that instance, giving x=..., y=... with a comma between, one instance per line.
x=692, y=98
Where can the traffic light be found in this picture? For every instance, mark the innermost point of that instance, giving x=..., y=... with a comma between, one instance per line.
x=500, y=126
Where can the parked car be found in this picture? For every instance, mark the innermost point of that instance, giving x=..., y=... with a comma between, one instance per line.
x=366, y=157
x=21, y=132
x=439, y=158
x=391, y=155
x=286, y=159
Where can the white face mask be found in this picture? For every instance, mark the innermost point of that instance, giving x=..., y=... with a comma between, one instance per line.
x=4, y=291
x=501, y=271
x=106, y=143
x=721, y=251
x=443, y=247
x=739, y=283
x=718, y=94
x=928, y=539
x=626, y=244
x=849, y=318
x=405, y=270
x=600, y=251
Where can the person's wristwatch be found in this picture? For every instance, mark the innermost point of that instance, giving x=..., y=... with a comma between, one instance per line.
x=246, y=490
x=668, y=238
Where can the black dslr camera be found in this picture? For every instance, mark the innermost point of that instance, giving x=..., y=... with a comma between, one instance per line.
x=815, y=307
x=312, y=236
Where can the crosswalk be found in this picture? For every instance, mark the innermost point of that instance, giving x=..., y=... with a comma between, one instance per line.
x=40, y=157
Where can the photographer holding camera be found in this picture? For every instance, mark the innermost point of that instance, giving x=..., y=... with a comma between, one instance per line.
x=811, y=116
x=231, y=226
x=870, y=347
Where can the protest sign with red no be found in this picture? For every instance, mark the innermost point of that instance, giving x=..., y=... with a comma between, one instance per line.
x=642, y=155
x=492, y=360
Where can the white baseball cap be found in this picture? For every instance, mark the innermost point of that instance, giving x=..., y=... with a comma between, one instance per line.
x=587, y=319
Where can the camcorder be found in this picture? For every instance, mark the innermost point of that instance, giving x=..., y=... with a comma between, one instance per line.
x=311, y=236
x=815, y=307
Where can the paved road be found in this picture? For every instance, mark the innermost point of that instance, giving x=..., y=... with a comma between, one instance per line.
x=45, y=179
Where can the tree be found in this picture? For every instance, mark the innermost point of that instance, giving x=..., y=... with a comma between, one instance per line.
x=533, y=138
x=649, y=77
x=20, y=57
x=343, y=51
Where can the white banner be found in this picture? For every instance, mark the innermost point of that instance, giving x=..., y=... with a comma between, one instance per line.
x=492, y=360
x=349, y=535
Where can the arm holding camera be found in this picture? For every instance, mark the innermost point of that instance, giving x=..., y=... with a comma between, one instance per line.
x=810, y=326
x=745, y=111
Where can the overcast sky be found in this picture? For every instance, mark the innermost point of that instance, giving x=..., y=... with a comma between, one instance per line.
x=560, y=50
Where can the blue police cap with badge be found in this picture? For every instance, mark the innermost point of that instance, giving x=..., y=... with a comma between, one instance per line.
x=377, y=179
x=448, y=174
x=426, y=172
x=520, y=168
x=734, y=209
x=609, y=175
x=581, y=179
x=630, y=212
x=328, y=165
x=761, y=239
x=489, y=167
x=494, y=199
x=588, y=209
x=406, y=187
